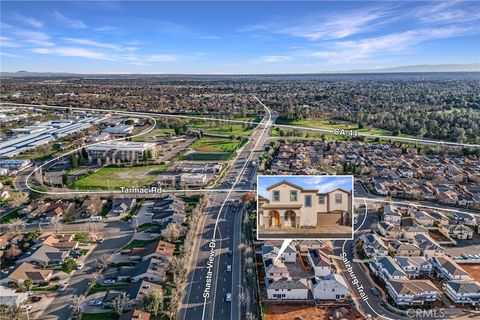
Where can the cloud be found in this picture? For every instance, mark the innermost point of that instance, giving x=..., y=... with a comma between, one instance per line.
x=358, y=50
x=69, y=22
x=7, y=42
x=160, y=58
x=29, y=21
x=92, y=43
x=34, y=37
x=321, y=27
x=73, y=52
x=273, y=59
x=10, y=55
x=447, y=12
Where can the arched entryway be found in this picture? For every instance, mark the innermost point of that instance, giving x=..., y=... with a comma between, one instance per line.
x=274, y=218
x=290, y=218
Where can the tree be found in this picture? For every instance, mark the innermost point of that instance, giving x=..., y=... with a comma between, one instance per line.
x=247, y=197
x=12, y=253
x=73, y=161
x=77, y=302
x=14, y=313
x=120, y=302
x=28, y=284
x=32, y=235
x=152, y=302
x=69, y=265
x=172, y=232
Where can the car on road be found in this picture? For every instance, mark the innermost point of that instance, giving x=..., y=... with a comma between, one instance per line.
x=375, y=291
x=80, y=266
x=229, y=253
x=63, y=287
x=95, y=302
x=228, y=297
x=229, y=267
x=109, y=281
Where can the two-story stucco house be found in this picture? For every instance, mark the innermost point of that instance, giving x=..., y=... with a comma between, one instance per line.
x=291, y=206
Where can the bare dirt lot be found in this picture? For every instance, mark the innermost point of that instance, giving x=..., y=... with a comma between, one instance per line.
x=275, y=311
x=473, y=269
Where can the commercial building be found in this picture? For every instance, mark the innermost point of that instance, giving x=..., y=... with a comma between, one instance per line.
x=33, y=136
x=122, y=151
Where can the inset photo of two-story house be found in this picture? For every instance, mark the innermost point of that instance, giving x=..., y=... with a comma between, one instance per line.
x=304, y=207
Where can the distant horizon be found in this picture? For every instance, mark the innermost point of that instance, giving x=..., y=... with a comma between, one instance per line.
x=229, y=38
x=392, y=70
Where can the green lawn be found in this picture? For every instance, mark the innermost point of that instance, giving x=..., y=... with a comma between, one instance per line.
x=100, y=288
x=211, y=144
x=237, y=129
x=100, y=316
x=114, y=178
x=9, y=217
x=138, y=244
x=327, y=124
x=156, y=134
x=207, y=156
x=147, y=226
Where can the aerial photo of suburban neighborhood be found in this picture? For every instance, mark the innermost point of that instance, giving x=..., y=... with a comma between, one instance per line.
x=257, y=160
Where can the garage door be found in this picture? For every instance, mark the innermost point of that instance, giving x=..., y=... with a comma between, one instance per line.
x=325, y=219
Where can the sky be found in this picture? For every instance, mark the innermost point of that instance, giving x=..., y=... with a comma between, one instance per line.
x=235, y=37
x=320, y=183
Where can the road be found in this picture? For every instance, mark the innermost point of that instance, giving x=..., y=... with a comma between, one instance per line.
x=227, y=223
x=60, y=307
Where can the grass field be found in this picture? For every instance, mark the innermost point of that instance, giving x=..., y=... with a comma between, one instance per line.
x=237, y=129
x=156, y=134
x=114, y=178
x=207, y=156
x=9, y=217
x=211, y=144
x=138, y=244
x=327, y=124
x=100, y=316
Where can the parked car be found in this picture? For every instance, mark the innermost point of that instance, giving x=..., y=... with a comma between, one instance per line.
x=35, y=299
x=80, y=266
x=63, y=287
x=228, y=297
x=109, y=281
x=95, y=302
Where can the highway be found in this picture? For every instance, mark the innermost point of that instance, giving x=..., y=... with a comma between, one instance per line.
x=201, y=302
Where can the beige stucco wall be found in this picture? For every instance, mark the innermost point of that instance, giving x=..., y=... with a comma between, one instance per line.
x=344, y=206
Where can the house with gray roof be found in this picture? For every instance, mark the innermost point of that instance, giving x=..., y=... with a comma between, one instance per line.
x=373, y=246
x=387, y=269
x=445, y=267
x=464, y=292
x=414, y=267
x=412, y=292
x=331, y=287
x=391, y=214
x=152, y=269
x=44, y=255
x=287, y=289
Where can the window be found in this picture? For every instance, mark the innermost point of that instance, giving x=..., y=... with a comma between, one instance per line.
x=308, y=201
x=321, y=199
x=276, y=195
x=338, y=198
x=293, y=195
